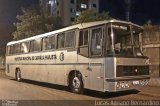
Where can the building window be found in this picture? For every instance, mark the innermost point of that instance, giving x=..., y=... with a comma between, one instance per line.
x=57, y=3
x=78, y=13
x=72, y=10
x=72, y=1
x=57, y=12
x=51, y=2
x=72, y=19
x=84, y=6
x=94, y=5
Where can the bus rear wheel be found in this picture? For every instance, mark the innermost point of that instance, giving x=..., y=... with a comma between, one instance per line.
x=18, y=75
x=76, y=83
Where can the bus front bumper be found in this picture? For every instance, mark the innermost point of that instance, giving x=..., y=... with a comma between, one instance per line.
x=123, y=84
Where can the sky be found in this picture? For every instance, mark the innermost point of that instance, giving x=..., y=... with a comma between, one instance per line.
x=9, y=9
x=141, y=12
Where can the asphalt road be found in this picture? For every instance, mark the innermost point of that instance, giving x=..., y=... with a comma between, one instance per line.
x=36, y=92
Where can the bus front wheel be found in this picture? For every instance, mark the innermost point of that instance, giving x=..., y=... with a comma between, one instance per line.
x=76, y=83
x=18, y=75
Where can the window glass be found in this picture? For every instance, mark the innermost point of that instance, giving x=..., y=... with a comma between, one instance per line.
x=35, y=45
x=72, y=10
x=70, y=39
x=72, y=1
x=16, y=48
x=25, y=47
x=85, y=37
x=81, y=38
x=72, y=19
x=8, y=50
x=94, y=5
x=11, y=49
x=61, y=39
x=96, y=41
x=84, y=6
x=49, y=43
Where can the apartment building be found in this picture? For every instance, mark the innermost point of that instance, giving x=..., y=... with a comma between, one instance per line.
x=68, y=10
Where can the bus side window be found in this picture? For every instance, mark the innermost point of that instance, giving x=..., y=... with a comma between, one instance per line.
x=83, y=38
x=96, y=42
x=49, y=43
x=25, y=47
x=35, y=45
x=83, y=43
x=16, y=48
x=8, y=50
x=11, y=50
x=61, y=40
x=52, y=42
x=70, y=39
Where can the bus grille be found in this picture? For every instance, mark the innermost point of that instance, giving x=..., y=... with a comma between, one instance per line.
x=132, y=70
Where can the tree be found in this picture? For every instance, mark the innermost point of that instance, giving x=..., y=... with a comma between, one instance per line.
x=33, y=22
x=89, y=16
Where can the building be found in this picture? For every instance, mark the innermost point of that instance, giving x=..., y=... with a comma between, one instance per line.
x=68, y=10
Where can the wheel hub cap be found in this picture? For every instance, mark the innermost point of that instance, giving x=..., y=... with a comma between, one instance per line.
x=76, y=82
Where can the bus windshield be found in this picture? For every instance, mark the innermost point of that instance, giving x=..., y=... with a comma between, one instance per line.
x=123, y=40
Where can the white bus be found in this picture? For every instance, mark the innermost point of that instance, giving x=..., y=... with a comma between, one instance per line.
x=103, y=56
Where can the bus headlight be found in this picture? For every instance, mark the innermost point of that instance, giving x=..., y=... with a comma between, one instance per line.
x=124, y=84
x=127, y=85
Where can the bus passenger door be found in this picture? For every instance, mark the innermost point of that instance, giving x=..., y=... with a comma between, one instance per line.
x=83, y=57
x=96, y=62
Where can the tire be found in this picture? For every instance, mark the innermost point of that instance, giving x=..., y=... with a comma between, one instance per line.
x=76, y=83
x=18, y=75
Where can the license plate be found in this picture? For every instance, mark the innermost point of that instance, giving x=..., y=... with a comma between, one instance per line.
x=135, y=82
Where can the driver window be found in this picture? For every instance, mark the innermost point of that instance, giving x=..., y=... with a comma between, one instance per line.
x=96, y=41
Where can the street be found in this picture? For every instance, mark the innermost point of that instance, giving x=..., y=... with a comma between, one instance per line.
x=32, y=91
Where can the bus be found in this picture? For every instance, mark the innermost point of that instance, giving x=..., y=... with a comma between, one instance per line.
x=104, y=56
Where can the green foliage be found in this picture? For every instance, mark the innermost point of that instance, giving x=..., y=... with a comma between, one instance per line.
x=32, y=23
x=148, y=26
x=89, y=16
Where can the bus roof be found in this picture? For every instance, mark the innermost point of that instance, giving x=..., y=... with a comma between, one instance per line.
x=78, y=26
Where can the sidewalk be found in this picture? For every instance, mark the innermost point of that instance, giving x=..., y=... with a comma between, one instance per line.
x=2, y=72
x=154, y=81
x=149, y=91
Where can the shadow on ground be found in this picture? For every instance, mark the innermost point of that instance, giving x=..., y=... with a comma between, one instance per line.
x=108, y=95
x=87, y=92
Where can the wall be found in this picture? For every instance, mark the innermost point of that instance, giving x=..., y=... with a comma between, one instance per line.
x=151, y=48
